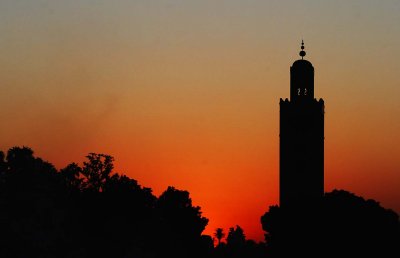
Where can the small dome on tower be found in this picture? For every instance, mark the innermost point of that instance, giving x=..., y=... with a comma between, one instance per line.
x=302, y=62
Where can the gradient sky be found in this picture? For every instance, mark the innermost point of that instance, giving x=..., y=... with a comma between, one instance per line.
x=186, y=93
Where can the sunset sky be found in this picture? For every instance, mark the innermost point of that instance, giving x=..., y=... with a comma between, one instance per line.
x=186, y=93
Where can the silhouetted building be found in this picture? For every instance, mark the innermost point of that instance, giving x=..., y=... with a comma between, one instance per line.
x=301, y=139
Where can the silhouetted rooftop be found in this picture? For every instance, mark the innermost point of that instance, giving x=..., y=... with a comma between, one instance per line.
x=302, y=62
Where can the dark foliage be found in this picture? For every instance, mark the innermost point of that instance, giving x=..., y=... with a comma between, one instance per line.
x=181, y=224
x=90, y=211
x=219, y=234
x=237, y=246
x=345, y=225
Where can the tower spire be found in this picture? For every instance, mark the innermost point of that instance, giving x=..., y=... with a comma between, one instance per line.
x=302, y=52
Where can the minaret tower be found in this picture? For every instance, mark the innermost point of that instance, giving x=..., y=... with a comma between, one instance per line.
x=301, y=140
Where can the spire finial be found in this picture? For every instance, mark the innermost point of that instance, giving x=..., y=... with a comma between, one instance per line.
x=302, y=52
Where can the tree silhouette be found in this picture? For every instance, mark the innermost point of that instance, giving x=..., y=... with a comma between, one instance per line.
x=237, y=246
x=73, y=177
x=181, y=222
x=32, y=199
x=271, y=223
x=219, y=234
x=345, y=225
x=97, y=170
x=360, y=226
x=92, y=211
x=236, y=237
x=108, y=210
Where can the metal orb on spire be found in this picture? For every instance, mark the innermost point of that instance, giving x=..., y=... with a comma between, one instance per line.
x=302, y=52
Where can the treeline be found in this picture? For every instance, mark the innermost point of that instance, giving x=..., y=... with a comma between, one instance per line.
x=91, y=211
x=343, y=225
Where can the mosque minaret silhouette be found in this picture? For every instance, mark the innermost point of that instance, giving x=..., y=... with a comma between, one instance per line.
x=301, y=140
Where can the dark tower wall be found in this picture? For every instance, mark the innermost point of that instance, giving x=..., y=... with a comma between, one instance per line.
x=301, y=80
x=301, y=140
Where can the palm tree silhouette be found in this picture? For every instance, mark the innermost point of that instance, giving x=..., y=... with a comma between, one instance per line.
x=219, y=234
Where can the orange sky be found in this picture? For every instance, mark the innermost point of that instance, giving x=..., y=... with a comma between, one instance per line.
x=186, y=93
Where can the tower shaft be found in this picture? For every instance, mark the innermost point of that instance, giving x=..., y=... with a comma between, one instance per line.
x=301, y=140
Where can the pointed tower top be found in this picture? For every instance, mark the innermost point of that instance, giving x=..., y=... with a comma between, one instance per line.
x=302, y=52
